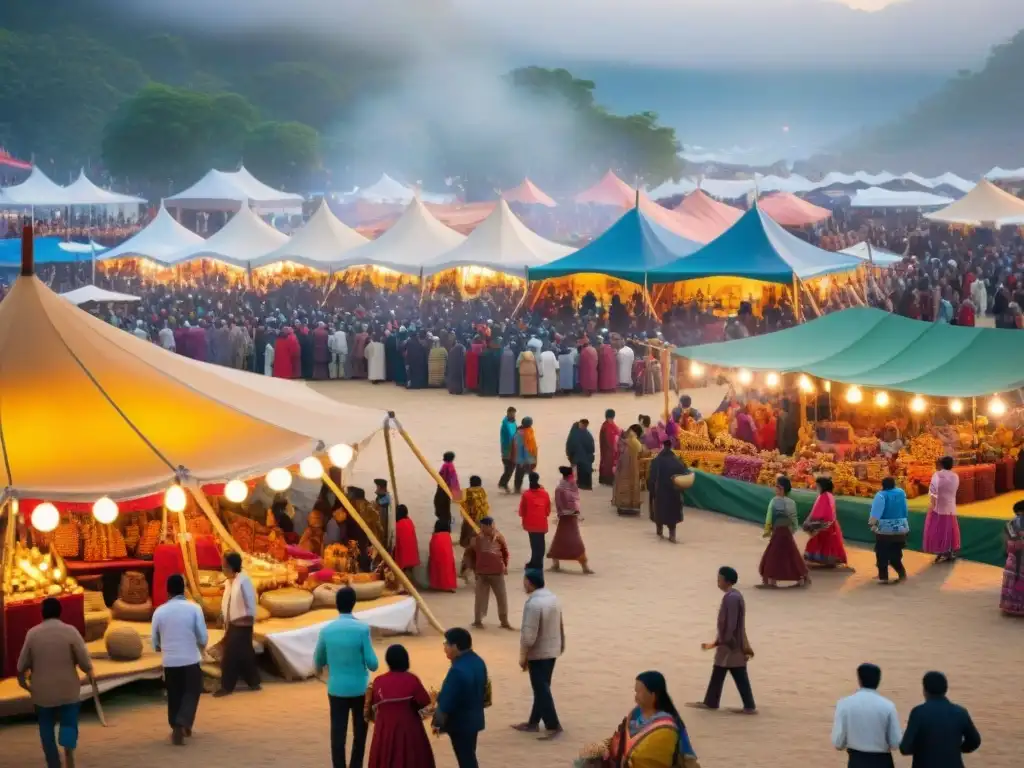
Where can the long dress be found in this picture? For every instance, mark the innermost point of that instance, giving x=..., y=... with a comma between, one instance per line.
x=507, y=379
x=407, y=549
x=437, y=364
x=1011, y=600
x=547, y=367
x=358, y=354
x=588, y=369
x=476, y=351
x=527, y=366
x=441, y=565
x=455, y=373
x=667, y=508
x=416, y=359
x=941, y=528
x=567, y=371
x=568, y=542
x=627, y=495
x=321, y=354
x=392, y=360
x=825, y=546
x=579, y=450
x=490, y=372
x=781, y=560
x=607, y=369
x=399, y=738
x=624, y=359
x=609, y=443
x=376, y=370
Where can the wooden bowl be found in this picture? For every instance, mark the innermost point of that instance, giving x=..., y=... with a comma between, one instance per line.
x=684, y=482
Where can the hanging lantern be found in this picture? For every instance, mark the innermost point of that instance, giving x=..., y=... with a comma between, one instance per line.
x=828, y=386
x=956, y=406
x=45, y=517
x=175, y=499
x=279, y=480
x=854, y=395
x=311, y=468
x=806, y=385
x=771, y=380
x=882, y=399
x=917, y=404
x=745, y=377
x=696, y=369
x=996, y=407
x=236, y=491
x=341, y=455
x=105, y=510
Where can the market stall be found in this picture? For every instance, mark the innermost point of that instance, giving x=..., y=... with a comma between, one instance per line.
x=866, y=394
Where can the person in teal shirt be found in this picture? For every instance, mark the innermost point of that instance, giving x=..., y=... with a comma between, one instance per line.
x=345, y=649
x=508, y=459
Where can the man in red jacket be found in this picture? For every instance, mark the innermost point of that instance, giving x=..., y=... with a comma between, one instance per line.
x=287, y=364
x=534, y=510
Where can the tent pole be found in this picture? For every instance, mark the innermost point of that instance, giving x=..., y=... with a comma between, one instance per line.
x=433, y=473
x=383, y=552
x=7, y=555
x=204, y=504
x=189, y=558
x=389, y=448
x=666, y=361
x=797, y=302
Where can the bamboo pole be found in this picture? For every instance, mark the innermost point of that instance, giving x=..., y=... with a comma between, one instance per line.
x=10, y=537
x=797, y=300
x=204, y=504
x=188, y=556
x=389, y=449
x=382, y=551
x=810, y=298
x=433, y=472
x=666, y=359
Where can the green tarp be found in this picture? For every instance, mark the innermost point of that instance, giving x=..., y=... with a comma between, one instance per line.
x=873, y=348
x=981, y=537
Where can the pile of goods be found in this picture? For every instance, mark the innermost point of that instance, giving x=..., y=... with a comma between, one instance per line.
x=712, y=462
x=740, y=467
x=34, y=574
x=256, y=538
x=688, y=441
x=726, y=442
x=101, y=542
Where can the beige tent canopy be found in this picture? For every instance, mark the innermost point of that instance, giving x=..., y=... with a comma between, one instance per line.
x=87, y=410
x=985, y=205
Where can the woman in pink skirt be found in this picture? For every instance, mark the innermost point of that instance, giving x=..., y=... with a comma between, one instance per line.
x=941, y=529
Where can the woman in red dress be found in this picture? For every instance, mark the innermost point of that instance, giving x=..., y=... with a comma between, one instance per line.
x=825, y=547
x=407, y=548
x=441, y=565
x=395, y=701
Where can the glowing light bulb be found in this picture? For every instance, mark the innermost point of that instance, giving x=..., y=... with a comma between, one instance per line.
x=341, y=455
x=806, y=385
x=854, y=395
x=996, y=407
x=696, y=370
x=828, y=386
x=105, y=510
x=175, y=499
x=311, y=468
x=917, y=404
x=771, y=380
x=236, y=491
x=45, y=517
x=956, y=406
x=882, y=399
x=745, y=376
x=279, y=479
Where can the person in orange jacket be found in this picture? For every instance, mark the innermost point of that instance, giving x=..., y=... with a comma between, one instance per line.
x=534, y=510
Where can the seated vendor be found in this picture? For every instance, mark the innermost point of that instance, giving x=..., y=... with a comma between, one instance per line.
x=685, y=413
x=890, y=444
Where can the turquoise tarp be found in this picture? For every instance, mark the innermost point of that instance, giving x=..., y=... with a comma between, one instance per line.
x=630, y=248
x=758, y=248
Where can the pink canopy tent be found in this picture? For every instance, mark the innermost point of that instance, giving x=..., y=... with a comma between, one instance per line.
x=528, y=193
x=610, y=190
x=790, y=211
x=460, y=217
x=710, y=217
x=9, y=161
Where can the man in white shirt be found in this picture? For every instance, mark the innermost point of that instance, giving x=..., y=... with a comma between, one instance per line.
x=542, y=641
x=140, y=331
x=866, y=723
x=179, y=633
x=238, y=610
x=167, y=338
x=338, y=344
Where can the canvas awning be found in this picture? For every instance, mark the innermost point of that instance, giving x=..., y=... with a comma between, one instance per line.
x=128, y=414
x=872, y=348
x=758, y=248
x=713, y=216
x=790, y=211
x=89, y=294
x=985, y=205
x=876, y=197
x=245, y=238
x=38, y=190
x=528, y=193
x=878, y=256
x=627, y=250
x=319, y=244
x=83, y=192
x=157, y=241
x=610, y=190
x=231, y=190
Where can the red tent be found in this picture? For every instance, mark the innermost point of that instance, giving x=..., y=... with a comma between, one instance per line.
x=790, y=211
x=610, y=190
x=711, y=216
x=8, y=161
x=528, y=193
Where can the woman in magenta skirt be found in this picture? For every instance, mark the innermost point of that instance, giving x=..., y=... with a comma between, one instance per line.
x=393, y=704
x=825, y=547
x=941, y=528
x=781, y=560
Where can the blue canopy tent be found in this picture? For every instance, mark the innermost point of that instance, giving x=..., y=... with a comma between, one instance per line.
x=758, y=248
x=632, y=247
x=48, y=250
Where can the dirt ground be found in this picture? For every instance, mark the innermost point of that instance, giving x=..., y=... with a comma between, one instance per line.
x=649, y=606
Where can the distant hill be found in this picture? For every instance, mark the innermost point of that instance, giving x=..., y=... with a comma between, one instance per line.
x=969, y=125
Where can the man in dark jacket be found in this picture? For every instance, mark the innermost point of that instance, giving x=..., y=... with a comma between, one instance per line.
x=461, y=702
x=666, y=499
x=579, y=450
x=939, y=732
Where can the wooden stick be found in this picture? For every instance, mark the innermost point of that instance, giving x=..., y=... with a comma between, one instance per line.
x=204, y=504
x=389, y=448
x=382, y=551
x=437, y=478
x=666, y=364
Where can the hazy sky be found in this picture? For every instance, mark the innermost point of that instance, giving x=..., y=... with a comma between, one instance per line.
x=908, y=34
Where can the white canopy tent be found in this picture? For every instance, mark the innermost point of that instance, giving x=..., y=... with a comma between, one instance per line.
x=727, y=189
x=244, y=238
x=878, y=256
x=501, y=243
x=264, y=197
x=795, y=184
x=319, y=244
x=684, y=186
x=83, y=192
x=877, y=197
x=417, y=238
x=386, y=190
x=91, y=247
x=37, y=191
x=228, y=190
x=1002, y=174
x=985, y=205
x=88, y=294
x=157, y=241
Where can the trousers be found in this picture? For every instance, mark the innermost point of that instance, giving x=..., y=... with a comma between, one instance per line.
x=64, y=716
x=239, y=659
x=543, y=702
x=889, y=552
x=485, y=584
x=713, y=696
x=522, y=470
x=340, y=708
x=464, y=747
x=857, y=759
x=537, y=550
x=184, y=687
x=508, y=469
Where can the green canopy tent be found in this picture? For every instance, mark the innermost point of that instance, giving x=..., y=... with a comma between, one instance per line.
x=872, y=348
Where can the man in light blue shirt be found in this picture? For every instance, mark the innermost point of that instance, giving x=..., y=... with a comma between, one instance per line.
x=345, y=649
x=179, y=633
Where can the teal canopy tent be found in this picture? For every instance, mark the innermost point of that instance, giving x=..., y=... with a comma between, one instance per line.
x=873, y=348
x=628, y=250
x=758, y=248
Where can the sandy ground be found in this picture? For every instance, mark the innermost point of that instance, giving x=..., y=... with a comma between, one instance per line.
x=649, y=606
